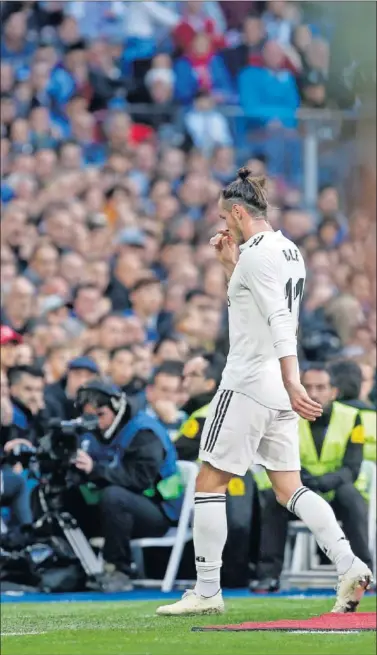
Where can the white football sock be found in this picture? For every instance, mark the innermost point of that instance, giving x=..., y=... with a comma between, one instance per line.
x=319, y=517
x=210, y=533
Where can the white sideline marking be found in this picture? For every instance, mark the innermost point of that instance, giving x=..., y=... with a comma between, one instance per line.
x=323, y=632
x=21, y=634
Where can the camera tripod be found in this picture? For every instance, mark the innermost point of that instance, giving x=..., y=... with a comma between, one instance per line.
x=72, y=533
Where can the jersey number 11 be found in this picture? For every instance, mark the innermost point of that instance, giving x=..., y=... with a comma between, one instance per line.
x=292, y=293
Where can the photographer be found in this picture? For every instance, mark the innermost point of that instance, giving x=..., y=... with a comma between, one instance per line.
x=132, y=463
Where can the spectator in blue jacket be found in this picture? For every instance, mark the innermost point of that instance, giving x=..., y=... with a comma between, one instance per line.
x=15, y=43
x=269, y=96
x=202, y=70
x=270, y=99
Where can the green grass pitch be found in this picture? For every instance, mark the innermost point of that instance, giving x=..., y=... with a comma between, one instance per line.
x=131, y=628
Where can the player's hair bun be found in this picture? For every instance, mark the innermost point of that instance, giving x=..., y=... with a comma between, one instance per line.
x=250, y=190
x=244, y=173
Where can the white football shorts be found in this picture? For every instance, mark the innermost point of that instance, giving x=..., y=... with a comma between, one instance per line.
x=239, y=433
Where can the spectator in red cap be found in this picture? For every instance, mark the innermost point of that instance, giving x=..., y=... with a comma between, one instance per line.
x=9, y=340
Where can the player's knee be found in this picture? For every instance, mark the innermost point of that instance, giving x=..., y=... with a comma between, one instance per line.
x=284, y=484
x=211, y=480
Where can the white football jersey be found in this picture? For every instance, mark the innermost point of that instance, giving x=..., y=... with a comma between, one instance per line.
x=264, y=297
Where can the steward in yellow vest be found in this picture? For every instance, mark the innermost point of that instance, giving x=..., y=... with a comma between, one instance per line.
x=331, y=452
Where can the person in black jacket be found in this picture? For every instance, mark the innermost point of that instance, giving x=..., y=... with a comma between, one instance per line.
x=60, y=396
x=30, y=415
x=348, y=378
x=123, y=463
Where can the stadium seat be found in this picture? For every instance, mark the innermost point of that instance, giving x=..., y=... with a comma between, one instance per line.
x=301, y=560
x=175, y=538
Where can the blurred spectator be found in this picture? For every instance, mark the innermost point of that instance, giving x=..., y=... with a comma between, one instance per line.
x=26, y=385
x=147, y=304
x=253, y=41
x=9, y=341
x=162, y=394
x=207, y=128
x=201, y=69
x=60, y=396
x=279, y=19
x=17, y=310
x=16, y=45
x=274, y=99
x=196, y=20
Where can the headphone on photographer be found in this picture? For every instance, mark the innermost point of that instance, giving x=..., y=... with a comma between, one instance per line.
x=100, y=393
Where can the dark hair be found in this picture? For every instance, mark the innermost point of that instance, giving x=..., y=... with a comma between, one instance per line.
x=81, y=287
x=326, y=187
x=347, y=378
x=195, y=293
x=172, y=338
x=248, y=191
x=145, y=282
x=15, y=373
x=319, y=366
x=67, y=142
x=171, y=368
x=120, y=349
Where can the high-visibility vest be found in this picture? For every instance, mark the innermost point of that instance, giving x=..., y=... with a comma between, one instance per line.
x=190, y=427
x=262, y=480
x=369, y=421
x=334, y=446
x=333, y=449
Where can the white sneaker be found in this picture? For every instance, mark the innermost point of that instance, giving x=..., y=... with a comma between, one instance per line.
x=191, y=604
x=351, y=587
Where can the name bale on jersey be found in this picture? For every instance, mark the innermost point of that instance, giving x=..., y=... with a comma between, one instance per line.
x=291, y=256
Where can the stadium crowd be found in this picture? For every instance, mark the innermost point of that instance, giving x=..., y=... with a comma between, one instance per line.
x=114, y=147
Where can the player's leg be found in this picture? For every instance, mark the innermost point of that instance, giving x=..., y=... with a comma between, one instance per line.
x=226, y=450
x=279, y=450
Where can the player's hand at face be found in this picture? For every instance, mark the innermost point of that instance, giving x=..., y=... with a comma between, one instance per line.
x=226, y=249
x=302, y=403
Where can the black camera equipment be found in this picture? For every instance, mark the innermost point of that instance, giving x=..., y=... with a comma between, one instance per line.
x=52, y=463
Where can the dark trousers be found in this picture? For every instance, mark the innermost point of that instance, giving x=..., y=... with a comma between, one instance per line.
x=349, y=507
x=16, y=496
x=120, y=516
